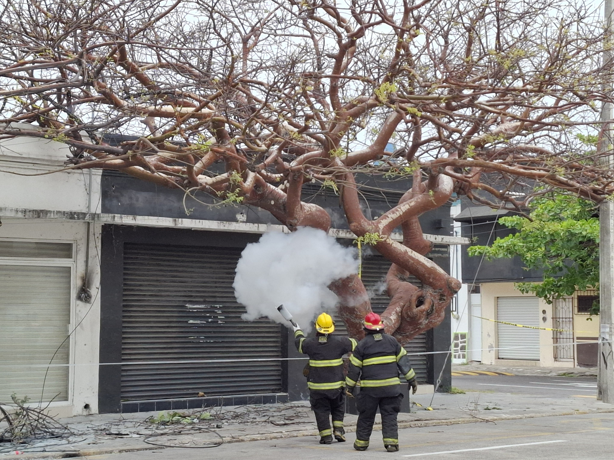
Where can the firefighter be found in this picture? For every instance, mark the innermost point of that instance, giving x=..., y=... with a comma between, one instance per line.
x=325, y=377
x=377, y=361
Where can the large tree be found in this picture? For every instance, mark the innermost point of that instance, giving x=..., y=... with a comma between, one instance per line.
x=287, y=91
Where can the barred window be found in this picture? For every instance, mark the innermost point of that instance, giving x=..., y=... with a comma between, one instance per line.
x=585, y=303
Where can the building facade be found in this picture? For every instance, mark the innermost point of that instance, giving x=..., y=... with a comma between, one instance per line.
x=116, y=294
x=512, y=328
x=49, y=278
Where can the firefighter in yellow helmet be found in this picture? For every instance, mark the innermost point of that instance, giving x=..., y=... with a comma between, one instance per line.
x=326, y=380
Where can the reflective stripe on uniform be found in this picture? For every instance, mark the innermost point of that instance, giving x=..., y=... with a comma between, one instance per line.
x=410, y=375
x=354, y=343
x=402, y=353
x=300, y=346
x=328, y=432
x=325, y=362
x=297, y=333
x=379, y=360
x=337, y=424
x=388, y=441
x=360, y=443
x=355, y=361
x=325, y=386
x=379, y=383
x=350, y=382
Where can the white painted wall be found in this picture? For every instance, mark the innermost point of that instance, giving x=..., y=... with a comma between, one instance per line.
x=33, y=176
x=475, y=328
x=460, y=318
x=60, y=191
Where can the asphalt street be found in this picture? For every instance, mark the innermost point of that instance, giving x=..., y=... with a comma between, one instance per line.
x=499, y=416
x=574, y=437
x=563, y=387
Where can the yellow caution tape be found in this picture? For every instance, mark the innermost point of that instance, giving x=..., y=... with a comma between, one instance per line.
x=530, y=327
x=359, y=259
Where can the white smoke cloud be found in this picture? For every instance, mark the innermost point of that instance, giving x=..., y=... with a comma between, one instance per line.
x=294, y=270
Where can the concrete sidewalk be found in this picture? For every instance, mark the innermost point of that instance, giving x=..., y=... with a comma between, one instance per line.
x=114, y=433
x=526, y=370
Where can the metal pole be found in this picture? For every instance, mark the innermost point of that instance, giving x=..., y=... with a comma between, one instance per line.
x=605, y=379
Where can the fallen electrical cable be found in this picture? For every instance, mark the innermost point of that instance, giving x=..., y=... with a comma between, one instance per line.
x=183, y=437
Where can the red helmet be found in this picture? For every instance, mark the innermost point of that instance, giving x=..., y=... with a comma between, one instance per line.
x=373, y=322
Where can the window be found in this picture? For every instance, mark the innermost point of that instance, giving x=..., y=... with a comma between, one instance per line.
x=459, y=347
x=585, y=303
x=35, y=249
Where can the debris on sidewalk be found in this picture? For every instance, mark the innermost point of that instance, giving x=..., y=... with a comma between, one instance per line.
x=26, y=430
x=21, y=424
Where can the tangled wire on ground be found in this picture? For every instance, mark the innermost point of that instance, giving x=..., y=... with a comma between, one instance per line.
x=197, y=428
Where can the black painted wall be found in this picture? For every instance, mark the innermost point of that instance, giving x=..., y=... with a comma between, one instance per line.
x=482, y=231
x=123, y=194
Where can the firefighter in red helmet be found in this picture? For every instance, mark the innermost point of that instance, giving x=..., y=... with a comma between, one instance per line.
x=325, y=379
x=376, y=362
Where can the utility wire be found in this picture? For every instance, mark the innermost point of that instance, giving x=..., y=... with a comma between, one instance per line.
x=247, y=360
x=449, y=352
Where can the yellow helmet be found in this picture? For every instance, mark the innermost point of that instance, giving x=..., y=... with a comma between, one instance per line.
x=325, y=324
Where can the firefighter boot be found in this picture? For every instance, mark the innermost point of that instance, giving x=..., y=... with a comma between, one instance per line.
x=361, y=445
x=391, y=447
x=338, y=431
x=328, y=439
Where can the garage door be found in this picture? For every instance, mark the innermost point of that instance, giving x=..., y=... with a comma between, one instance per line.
x=182, y=332
x=518, y=342
x=35, y=304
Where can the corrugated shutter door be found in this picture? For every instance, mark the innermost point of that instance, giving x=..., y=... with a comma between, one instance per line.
x=34, y=320
x=179, y=306
x=374, y=269
x=518, y=342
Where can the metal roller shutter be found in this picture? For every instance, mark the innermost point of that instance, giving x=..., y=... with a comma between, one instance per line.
x=374, y=269
x=179, y=306
x=34, y=325
x=518, y=342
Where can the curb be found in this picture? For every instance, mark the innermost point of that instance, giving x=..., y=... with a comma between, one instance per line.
x=79, y=453
x=76, y=453
x=417, y=424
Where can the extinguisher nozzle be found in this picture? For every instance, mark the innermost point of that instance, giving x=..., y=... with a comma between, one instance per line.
x=285, y=313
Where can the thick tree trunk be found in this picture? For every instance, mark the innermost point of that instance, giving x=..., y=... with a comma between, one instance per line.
x=411, y=310
x=354, y=304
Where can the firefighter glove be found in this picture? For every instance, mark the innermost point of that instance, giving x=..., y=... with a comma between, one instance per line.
x=414, y=385
x=349, y=391
x=296, y=328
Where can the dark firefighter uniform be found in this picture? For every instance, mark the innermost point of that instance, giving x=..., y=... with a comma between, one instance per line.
x=326, y=379
x=377, y=361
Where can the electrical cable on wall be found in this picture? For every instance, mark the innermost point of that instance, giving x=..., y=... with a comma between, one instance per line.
x=83, y=296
